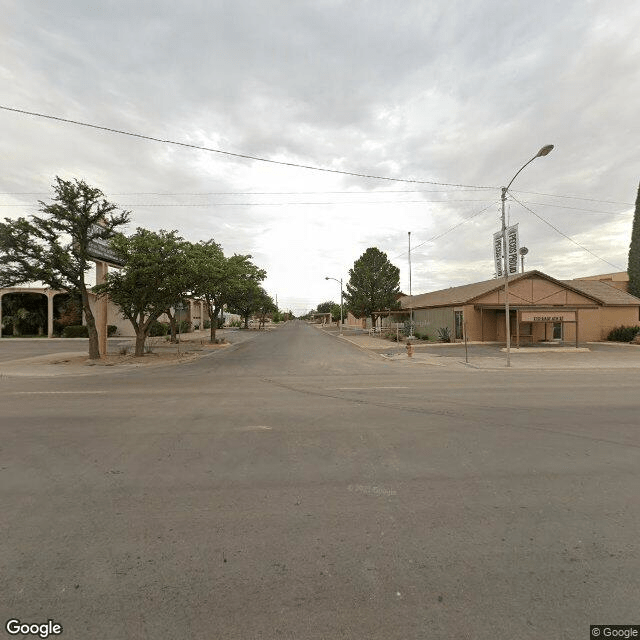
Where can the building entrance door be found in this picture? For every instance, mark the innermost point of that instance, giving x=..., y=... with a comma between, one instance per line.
x=557, y=331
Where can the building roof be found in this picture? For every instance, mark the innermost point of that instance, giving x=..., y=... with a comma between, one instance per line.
x=600, y=292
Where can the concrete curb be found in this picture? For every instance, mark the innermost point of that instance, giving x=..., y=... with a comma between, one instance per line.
x=369, y=352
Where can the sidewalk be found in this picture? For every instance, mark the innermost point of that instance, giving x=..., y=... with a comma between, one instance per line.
x=73, y=363
x=492, y=356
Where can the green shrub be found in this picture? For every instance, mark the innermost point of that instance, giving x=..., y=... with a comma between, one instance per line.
x=623, y=334
x=185, y=326
x=207, y=324
x=421, y=335
x=75, y=331
x=158, y=329
x=444, y=334
x=111, y=330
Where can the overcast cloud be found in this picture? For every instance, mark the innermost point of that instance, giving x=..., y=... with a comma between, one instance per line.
x=454, y=92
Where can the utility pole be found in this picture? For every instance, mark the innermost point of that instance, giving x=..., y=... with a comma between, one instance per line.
x=410, y=293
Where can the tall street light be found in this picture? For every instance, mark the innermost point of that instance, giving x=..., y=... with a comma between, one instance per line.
x=546, y=150
x=340, y=283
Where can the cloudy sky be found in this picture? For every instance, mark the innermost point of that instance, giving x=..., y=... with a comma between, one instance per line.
x=460, y=93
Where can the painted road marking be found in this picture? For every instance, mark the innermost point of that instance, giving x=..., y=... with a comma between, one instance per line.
x=364, y=388
x=371, y=490
x=257, y=427
x=34, y=393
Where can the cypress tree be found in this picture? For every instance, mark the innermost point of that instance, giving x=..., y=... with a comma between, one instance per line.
x=634, y=252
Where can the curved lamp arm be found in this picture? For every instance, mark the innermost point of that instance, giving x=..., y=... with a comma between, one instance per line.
x=545, y=151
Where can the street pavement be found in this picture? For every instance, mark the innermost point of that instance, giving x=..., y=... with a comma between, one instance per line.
x=297, y=486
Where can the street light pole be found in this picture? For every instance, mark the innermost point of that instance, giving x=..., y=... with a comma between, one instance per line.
x=546, y=150
x=410, y=294
x=340, y=282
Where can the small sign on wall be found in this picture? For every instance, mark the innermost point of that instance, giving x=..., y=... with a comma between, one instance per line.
x=548, y=316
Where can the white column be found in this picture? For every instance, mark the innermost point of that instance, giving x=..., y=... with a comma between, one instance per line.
x=201, y=315
x=101, y=309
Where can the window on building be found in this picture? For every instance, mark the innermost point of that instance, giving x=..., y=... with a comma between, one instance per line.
x=459, y=325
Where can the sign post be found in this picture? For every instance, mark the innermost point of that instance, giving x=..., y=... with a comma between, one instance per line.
x=99, y=250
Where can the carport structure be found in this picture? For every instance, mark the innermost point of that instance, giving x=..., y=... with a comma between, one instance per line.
x=50, y=294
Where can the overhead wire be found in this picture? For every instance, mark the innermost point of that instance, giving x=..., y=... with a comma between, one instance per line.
x=564, y=235
x=444, y=233
x=275, y=204
x=244, y=156
x=277, y=162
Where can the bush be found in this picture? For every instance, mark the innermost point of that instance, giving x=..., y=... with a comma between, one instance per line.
x=158, y=329
x=623, y=334
x=111, y=330
x=421, y=335
x=75, y=331
x=207, y=324
x=444, y=334
x=392, y=335
x=185, y=326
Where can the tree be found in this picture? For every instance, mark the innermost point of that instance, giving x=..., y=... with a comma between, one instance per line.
x=221, y=280
x=374, y=284
x=633, y=267
x=53, y=248
x=330, y=307
x=156, y=275
x=265, y=306
x=250, y=298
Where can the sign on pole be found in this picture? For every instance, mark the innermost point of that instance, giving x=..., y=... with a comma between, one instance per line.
x=513, y=245
x=497, y=254
x=99, y=249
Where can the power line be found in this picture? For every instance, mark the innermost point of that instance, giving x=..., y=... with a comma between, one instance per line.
x=564, y=206
x=551, y=195
x=254, y=193
x=444, y=233
x=235, y=155
x=564, y=235
x=275, y=204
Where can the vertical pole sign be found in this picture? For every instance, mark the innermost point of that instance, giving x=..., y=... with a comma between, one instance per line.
x=100, y=252
x=497, y=253
x=513, y=246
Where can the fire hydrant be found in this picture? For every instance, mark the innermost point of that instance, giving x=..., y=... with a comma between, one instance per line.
x=409, y=349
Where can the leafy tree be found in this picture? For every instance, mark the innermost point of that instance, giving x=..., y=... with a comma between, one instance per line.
x=156, y=275
x=249, y=298
x=633, y=267
x=220, y=280
x=53, y=248
x=330, y=307
x=374, y=284
x=265, y=306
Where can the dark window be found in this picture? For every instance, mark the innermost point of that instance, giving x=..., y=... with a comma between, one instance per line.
x=459, y=325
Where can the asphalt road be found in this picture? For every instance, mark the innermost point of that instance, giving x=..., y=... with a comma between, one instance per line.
x=294, y=486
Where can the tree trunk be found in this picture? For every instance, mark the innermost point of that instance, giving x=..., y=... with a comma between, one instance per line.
x=141, y=336
x=246, y=321
x=94, y=343
x=213, y=320
x=173, y=326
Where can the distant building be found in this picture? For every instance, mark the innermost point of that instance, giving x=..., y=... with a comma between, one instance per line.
x=541, y=308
